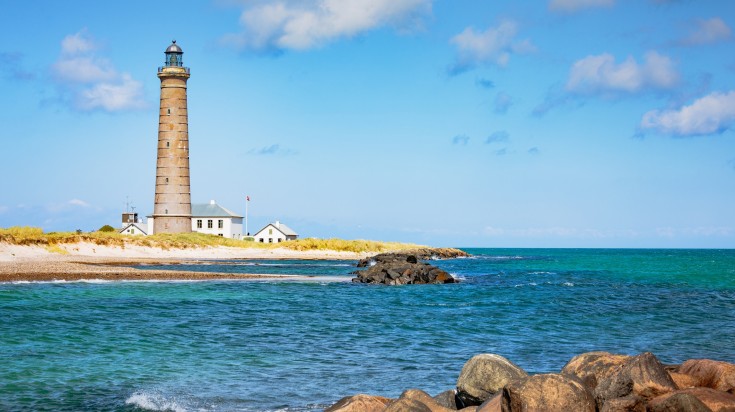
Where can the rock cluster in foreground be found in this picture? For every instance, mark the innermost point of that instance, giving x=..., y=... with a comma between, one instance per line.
x=591, y=382
x=405, y=268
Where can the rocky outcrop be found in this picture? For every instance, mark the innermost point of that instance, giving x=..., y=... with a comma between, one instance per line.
x=420, y=254
x=547, y=393
x=594, y=381
x=485, y=375
x=401, y=269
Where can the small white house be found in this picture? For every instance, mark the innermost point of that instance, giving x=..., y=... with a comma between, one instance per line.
x=212, y=219
x=135, y=229
x=275, y=233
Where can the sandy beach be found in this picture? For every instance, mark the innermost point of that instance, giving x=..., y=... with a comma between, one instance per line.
x=87, y=261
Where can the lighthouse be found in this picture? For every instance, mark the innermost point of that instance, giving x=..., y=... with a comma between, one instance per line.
x=172, y=203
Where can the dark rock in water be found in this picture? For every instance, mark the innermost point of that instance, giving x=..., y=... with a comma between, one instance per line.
x=359, y=403
x=414, y=256
x=401, y=269
x=485, y=375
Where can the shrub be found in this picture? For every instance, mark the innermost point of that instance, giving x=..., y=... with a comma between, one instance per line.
x=106, y=228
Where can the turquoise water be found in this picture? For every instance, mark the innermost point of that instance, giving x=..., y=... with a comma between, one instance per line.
x=296, y=346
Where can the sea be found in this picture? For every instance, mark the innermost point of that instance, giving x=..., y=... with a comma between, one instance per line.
x=302, y=344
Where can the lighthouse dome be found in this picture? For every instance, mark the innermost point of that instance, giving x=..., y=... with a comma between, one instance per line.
x=174, y=48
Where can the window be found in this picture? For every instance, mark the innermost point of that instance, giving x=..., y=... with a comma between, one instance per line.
x=199, y=223
x=270, y=231
x=220, y=224
x=209, y=224
x=279, y=240
x=270, y=240
x=261, y=240
x=168, y=144
x=167, y=180
x=166, y=212
x=220, y=234
x=132, y=231
x=169, y=111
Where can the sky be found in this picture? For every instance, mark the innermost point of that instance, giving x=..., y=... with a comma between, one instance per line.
x=541, y=123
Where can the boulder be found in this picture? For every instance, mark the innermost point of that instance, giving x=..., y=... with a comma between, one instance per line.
x=483, y=376
x=711, y=374
x=684, y=381
x=715, y=400
x=641, y=375
x=426, y=399
x=630, y=403
x=447, y=399
x=493, y=404
x=678, y=402
x=547, y=393
x=359, y=403
x=592, y=367
x=407, y=405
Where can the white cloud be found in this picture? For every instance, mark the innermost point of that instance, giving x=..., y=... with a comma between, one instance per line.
x=301, y=25
x=494, y=46
x=77, y=202
x=574, y=5
x=710, y=114
x=93, y=81
x=600, y=74
x=708, y=31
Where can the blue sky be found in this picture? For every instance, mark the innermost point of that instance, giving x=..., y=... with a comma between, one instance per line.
x=547, y=123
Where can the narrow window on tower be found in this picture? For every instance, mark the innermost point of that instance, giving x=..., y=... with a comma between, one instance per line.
x=166, y=211
x=167, y=180
x=168, y=144
x=169, y=111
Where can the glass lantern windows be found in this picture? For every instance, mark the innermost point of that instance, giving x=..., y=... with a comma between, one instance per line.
x=174, y=59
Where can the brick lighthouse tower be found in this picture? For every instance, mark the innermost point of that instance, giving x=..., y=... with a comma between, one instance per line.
x=172, y=204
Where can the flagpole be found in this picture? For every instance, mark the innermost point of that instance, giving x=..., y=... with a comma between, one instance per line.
x=247, y=200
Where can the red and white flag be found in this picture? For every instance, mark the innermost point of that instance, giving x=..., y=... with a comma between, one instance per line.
x=247, y=198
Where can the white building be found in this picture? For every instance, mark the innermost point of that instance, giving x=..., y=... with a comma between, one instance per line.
x=212, y=219
x=275, y=233
x=131, y=225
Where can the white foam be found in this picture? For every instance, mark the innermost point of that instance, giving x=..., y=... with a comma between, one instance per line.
x=153, y=402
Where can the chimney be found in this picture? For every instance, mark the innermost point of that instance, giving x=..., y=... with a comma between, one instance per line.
x=211, y=202
x=278, y=224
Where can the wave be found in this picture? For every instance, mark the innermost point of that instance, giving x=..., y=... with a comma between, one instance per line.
x=153, y=402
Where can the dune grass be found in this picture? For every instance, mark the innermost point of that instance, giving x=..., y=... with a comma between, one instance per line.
x=24, y=235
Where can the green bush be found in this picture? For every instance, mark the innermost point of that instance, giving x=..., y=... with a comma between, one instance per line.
x=106, y=228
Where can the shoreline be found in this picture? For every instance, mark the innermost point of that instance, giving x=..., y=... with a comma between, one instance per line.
x=86, y=261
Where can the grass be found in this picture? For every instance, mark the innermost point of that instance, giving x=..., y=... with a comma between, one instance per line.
x=24, y=235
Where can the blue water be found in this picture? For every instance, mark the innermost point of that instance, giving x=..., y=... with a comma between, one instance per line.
x=296, y=346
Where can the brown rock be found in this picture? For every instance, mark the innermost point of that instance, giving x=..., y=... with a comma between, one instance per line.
x=491, y=405
x=717, y=401
x=642, y=375
x=485, y=375
x=630, y=403
x=684, y=381
x=359, y=403
x=447, y=399
x=426, y=399
x=406, y=405
x=592, y=367
x=547, y=393
x=711, y=374
x=678, y=402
